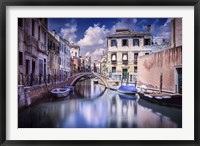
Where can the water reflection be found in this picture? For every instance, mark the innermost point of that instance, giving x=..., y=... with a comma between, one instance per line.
x=88, y=90
x=91, y=106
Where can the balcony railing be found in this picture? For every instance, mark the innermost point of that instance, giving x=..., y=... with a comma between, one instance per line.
x=113, y=62
x=41, y=47
x=124, y=61
x=135, y=61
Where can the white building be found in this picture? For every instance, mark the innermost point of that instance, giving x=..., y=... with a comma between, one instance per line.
x=124, y=47
x=86, y=63
x=74, y=50
x=64, y=59
x=64, y=55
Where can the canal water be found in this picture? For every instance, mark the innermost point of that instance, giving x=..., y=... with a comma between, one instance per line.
x=93, y=106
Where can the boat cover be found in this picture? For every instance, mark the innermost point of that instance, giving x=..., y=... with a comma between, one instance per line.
x=128, y=88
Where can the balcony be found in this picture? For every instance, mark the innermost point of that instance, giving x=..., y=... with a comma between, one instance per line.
x=125, y=62
x=113, y=62
x=31, y=51
x=135, y=61
x=41, y=47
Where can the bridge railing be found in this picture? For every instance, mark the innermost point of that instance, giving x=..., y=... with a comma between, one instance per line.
x=32, y=79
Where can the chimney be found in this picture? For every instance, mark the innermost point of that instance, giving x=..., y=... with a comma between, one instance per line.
x=54, y=32
x=173, y=32
x=148, y=28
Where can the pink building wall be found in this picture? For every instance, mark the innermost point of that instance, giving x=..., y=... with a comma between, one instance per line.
x=151, y=66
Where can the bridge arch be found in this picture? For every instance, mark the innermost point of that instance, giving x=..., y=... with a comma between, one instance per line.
x=86, y=74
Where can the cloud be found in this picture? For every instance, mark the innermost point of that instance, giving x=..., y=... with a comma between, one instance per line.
x=96, y=55
x=94, y=41
x=94, y=36
x=125, y=23
x=163, y=32
x=69, y=31
x=158, y=31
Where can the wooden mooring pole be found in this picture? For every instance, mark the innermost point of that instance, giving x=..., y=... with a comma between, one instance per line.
x=161, y=75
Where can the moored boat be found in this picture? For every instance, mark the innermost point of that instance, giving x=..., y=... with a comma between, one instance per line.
x=127, y=96
x=127, y=89
x=60, y=92
x=174, y=100
x=71, y=88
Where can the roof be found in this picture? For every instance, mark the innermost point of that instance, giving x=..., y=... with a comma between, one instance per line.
x=72, y=45
x=128, y=33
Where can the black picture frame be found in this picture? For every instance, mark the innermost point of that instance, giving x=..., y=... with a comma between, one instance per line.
x=5, y=3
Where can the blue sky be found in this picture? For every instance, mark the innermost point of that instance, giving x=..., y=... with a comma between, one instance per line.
x=90, y=33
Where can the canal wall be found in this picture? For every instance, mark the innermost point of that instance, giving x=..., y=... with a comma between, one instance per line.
x=27, y=94
x=151, y=67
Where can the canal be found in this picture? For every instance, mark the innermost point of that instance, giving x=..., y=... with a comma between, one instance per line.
x=93, y=106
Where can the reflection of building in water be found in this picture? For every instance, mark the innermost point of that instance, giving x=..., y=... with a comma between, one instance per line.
x=87, y=89
x=123, y=113
x=108, y=110
x=155, y=116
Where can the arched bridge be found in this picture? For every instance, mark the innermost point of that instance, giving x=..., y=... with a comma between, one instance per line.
x=73, y=79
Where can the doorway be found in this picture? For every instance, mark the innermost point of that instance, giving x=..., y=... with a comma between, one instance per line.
x=178, y=80
x=125, y=73
x=33, y=67
x=27, y=66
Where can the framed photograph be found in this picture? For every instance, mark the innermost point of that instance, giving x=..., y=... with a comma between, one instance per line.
x=99, y=73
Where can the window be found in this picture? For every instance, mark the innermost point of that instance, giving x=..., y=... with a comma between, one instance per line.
x=113, y=43
x=113, y=69
x=113, y=57
x=76, y=54
x=40, y=66
x=146, y=42
x=45, y=64
x=65, y=49
x=20, y=22
x=38, y=32
x=53, y=45
x=20, y=58
x=33, y=28
x=135, y=69
x=125, y=42
x=146, y=53
x=124, y=56
x=135, y=42
x=60, y=61
x=135, y=56
x=45, y=38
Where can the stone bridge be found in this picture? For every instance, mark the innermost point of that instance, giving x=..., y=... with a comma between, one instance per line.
x=73, y=79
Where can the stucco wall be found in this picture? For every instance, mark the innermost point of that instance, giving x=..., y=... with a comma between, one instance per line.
x=151, y=66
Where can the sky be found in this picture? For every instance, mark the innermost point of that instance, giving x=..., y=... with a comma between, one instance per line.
x=90, y=33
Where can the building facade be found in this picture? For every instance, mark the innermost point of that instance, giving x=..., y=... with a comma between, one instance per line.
x=75, y=59
x=53, y=54
x=162, y=70
x=32, y=46
x=124, y=48
x=64, y=56
x=74, y=50
x=85, y=63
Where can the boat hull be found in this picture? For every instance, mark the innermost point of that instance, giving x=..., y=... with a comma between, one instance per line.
x=60, y=92
x=126, y=92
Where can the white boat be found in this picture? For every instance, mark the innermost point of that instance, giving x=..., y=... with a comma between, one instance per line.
x=71, y=88
x=60, y=92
